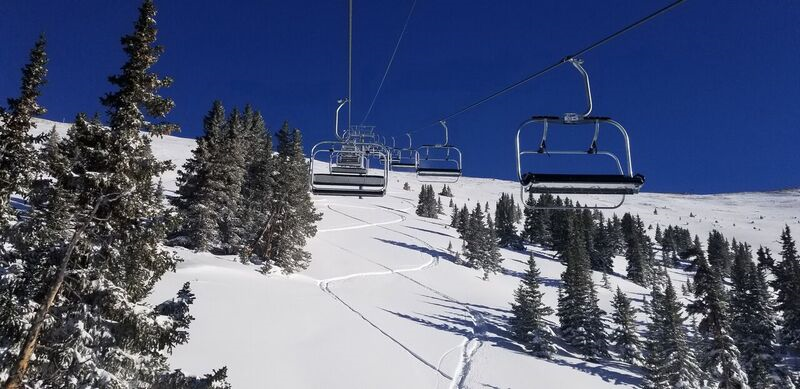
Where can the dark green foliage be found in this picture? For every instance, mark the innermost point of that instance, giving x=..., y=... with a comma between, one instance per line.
x=281, y=238
x=720, y=356
x=787, y=287
x=427, y=205
x=504, y=220
x=528, y=323
x=446, y=191
x=624, y=337
x=670, y=362
x=536, y=229
x=18, y=157
x=481, y=249
x=580, y=317
x=177, y=380
x=719, y=253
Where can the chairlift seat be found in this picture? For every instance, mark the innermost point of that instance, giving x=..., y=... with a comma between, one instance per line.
x=347, y=192
x=603, y=184
x=348, y=170
x=349, y=180
x=449, y=172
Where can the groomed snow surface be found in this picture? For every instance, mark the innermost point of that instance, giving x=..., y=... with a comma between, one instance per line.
x=383, y=305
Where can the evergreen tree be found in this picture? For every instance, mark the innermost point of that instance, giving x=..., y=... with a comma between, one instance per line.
x=720, y=356
x=580, y=317
x=787, y=288
x=463, y=222
x=230, y=177
x=490, y=262
x=102, y=333
x=475, y=238
x=528, y=323
x=198, y=184
x=454, y=216
x=291, y=217
x=624, y=336
x=18, y=157
x=764, y=259
x=504, y=220
x=718, y=252
x=258, y=189
x=670, y=362
x=536, y=228
x=635, y=255
x=427, y=205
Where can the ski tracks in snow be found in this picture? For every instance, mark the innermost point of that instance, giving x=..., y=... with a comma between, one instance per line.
x=471, y=343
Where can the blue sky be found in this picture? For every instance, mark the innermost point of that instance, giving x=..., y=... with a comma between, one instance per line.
x=708, y=91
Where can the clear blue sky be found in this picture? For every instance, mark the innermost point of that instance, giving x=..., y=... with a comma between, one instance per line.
x=708, y=92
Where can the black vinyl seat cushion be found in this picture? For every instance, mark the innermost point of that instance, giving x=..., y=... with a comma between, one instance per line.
x=347, y=192
x=426, y=171
x=348, y=180
x=582, y=183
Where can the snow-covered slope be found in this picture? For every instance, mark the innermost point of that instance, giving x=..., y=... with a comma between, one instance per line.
x=383, y=306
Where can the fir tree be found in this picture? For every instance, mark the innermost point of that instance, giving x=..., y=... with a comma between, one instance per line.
x=475, y=238
x=491, y=259
x=463, y=222
x=18, y=157
x=787, y=287
x=720, y=356
x=580, y=317
x=107, y=336
x=427, y=205
x=624, y=337
x=504, y=221
x=528, y=323
x=281, y=237
x=670, y=362
x=536, y=228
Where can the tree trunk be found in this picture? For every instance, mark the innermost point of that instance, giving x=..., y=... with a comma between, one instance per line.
x=20, y=368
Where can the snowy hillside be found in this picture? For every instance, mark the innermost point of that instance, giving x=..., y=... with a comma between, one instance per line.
x=383, y=306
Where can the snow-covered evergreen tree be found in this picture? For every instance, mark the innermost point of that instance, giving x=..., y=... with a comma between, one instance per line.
x=504, y=221
x=787, y=287
x=291, y=219
x=624, y=337
x=719, y=356
x=491, y=259
x=427, y=205
x=578, y=312
x=18, y=157
x=528, y=323
x=670, y=361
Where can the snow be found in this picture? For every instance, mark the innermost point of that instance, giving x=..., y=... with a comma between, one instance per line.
x=382, y=304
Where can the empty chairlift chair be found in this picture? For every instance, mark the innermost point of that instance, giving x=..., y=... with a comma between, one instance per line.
x=405, y=159
x=348, y=172
x=621, y=182
x=439, y=162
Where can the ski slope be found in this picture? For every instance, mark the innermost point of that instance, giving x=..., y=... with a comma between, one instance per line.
x=382, y=304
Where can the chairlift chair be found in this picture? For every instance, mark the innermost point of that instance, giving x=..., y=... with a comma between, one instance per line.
x=349, y=172
x=406, y=158
x=439, y=162
x=621, y=182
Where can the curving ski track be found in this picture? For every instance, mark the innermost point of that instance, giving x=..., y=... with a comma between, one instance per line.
x=468, y=347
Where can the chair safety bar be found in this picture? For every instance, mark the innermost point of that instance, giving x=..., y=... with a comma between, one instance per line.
x=350, y=180
x=623, y=183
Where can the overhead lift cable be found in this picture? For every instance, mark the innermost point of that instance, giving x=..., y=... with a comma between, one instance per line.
x=560, y=62
x=391, y=60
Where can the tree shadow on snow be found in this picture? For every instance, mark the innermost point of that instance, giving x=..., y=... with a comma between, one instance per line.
x=431, y=232
x=432, y=252
x=456, y=319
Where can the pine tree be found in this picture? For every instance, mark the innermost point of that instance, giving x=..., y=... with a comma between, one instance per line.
x=720, y=356
x=504, y=222
x=787, y=287
x=18, y=157
x=454, y=216
x=670, y=362
x=198, y=185
x=528, y=323
x=718, y=252
x=764, y=258
x=580, y=317
x=624, y=337
x=634, y=254
x=107, y=336
x=291, y=217
x=229, y=175
x=491, y=259
x=427, y=205
x=463, y=222
x=536, y=228
x=475, y=238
